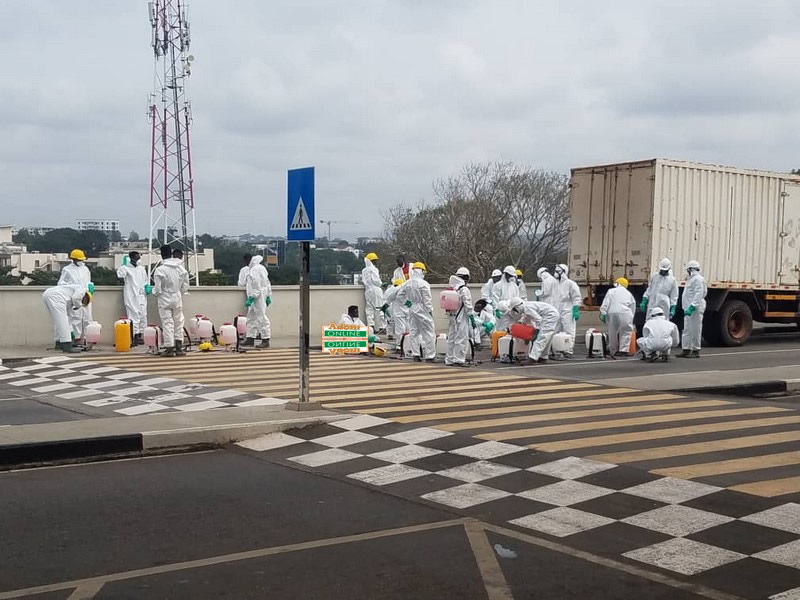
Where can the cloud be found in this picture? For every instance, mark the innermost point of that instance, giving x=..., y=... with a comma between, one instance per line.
x=383, y=96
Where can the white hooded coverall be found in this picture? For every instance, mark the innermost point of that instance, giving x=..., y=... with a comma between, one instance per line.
x=61, y=301
x=373, y=296
x=694, y=294
x=566, y=295
x=170, y=283
x=545, y=319
x=546, y=292
x=485, y=316
x=399, y=313
x=658, y=335
x=458, y=334
x=619, y=306
x=77, y=274
x=134, y=280
x=346, y=319
x=259, y=288
x=242, y=281
x=420, y=314
x=661, y=292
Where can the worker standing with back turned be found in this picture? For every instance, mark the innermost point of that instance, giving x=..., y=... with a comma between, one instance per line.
x=373, y=294
x=171, y=282
x=617, y=311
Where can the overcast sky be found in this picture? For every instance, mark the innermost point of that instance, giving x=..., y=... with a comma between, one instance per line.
x=382, y=96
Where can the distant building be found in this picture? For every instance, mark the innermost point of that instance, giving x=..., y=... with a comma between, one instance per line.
x=33, y=230
x=363, y=241
x=107, y=226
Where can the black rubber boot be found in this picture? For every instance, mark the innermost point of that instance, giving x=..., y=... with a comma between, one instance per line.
x=168, y=352
x=68, y=348
x=265, y=343
x=179, y=351
x=694, y=354
x=138, y=340
x=684, y=354
x=249, y=342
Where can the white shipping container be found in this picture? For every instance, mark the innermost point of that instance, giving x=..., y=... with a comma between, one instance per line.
x=742, y=225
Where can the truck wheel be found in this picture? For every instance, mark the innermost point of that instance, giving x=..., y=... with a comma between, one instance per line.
x=735, y=323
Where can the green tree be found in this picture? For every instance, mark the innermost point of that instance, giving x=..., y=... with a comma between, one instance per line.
x=209, y=277
x=42, y=277
x=104, y=276
x=66, y=239
x=116, y=236
x=133, y=236
x=6, y=278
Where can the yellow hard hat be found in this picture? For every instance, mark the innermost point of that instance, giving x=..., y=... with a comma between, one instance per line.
x=398, y=281
x=372, y=256
x=518, y=273
x=420, y=265
x=622, y=281
x=378, y=351
x=77, y=255
x=205, y=347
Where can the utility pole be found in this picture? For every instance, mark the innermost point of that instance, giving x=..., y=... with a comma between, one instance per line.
x=171, y=183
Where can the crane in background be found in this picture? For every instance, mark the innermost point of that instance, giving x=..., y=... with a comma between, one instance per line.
x=328, y=223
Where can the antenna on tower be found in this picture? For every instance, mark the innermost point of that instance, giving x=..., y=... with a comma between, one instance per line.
x=172, y=219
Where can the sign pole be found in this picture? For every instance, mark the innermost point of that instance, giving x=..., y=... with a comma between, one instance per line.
x=305, y=309
x=300, y=211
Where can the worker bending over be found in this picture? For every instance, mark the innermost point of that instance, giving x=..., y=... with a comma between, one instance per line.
x=540, y=315
x=484, y=322
x=61, y=301
x=617, y=311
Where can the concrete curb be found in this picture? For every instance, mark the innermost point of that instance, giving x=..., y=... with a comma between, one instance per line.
x=750, y=389
x=107, y=447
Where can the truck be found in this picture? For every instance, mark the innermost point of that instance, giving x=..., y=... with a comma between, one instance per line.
x=742, y=225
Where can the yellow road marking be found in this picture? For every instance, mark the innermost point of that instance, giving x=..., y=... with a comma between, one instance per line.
x=543, y=407
x=641, y=436
x=464, y=425
x=698, y=448
x=415, y=403
x=735, y=465
x=770, y=488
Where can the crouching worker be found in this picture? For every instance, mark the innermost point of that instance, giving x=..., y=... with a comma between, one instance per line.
x=484, y=322
x=61, y=302
x=539, y=314
x=659, y=337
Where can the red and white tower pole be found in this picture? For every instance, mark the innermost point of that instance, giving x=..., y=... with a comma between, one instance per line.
x=172, y=218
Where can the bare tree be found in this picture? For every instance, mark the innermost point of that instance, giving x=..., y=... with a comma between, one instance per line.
x=487, y=216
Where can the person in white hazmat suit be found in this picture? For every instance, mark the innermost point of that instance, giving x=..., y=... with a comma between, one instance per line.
x=351, y=317
x=134, y=293
x=373, y=294
x=488, y=291
x=507, y=287
x=398, y=311
x=402, y=272
x=523, y=291
x=77, y=273
x=259, y=297
x=539, y=314
x=567, y=301
x=242, y=282
x=171, y=282
x=61, y=301
x=485, y=322
x=461, y=321
x=547, y=289
x=617, y=311
x=693, y=303
x=659, y=336
x=416, y=296
x=662, y=291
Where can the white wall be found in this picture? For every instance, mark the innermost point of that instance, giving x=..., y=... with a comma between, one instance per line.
x=24, y=320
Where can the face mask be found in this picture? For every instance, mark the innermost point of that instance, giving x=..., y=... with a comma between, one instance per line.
x=663, y=273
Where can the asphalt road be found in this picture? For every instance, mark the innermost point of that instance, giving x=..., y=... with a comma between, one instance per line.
x=254, y=529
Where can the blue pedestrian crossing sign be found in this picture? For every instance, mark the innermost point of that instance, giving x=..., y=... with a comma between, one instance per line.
x=300, y=205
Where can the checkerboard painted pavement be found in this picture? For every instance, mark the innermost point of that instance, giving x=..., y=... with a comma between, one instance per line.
x=109, y=391
x=685, y=528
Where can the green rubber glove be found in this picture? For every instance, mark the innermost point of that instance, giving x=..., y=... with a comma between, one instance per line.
x=124, y=260
x=148, y=289
x=91, y=288
x=371, y=339
x=690, y=311
x=643, y=304
x=603, y=317
x=249, y=302
x=672, y=310
x=472, y=321
x=576, y=313
x=497, y=313
x=488, y=327
x=385, y=312
x=408, y=303
x=535, y=335
x=269, y=300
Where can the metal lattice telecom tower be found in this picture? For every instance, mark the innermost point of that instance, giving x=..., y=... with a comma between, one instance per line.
x=171, y=196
